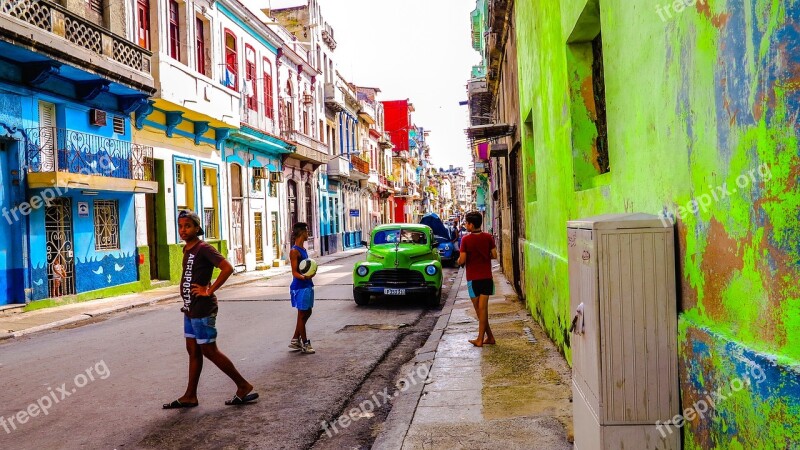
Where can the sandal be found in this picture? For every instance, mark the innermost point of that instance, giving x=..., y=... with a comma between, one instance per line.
x=177, y=404
x=241, y=401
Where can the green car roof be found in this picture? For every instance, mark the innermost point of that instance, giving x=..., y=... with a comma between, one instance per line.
x=405, y=226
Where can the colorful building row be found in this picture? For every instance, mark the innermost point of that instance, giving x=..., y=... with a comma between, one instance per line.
x=115, y=116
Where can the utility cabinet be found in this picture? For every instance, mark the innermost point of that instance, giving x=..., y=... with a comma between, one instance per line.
x=624, y=332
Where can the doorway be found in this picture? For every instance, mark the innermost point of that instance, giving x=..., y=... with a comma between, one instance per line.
x=259, y=231
x=237, y=215
x=58, y=234
x=276, y=240
x=517, y=219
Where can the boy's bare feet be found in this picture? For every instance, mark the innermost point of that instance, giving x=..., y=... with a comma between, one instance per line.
x=476, y=342
x=489, y=341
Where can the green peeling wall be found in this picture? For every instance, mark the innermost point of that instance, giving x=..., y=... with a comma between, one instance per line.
x=702, y=110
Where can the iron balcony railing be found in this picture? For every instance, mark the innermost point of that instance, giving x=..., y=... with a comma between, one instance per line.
x=61, y=150
x=58, y=20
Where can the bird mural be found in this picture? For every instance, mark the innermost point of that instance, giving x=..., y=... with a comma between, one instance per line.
x=118, y=268
x=99, y=271
x=39, y=282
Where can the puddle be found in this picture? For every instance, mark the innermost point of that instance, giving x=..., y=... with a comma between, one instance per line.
x=372, y=326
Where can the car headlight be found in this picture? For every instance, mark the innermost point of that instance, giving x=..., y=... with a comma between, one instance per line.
x=431, y=270
x=362, y=271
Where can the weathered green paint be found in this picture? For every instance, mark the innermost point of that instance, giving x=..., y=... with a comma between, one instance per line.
x=697, y=102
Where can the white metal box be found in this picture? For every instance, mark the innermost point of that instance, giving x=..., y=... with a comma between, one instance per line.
x=624, y=335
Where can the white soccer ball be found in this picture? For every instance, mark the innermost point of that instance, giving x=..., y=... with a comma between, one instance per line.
x=307, y=267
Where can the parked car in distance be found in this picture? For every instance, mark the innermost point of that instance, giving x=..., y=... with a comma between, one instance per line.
x=402, y=260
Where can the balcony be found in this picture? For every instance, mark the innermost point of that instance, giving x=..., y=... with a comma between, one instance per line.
x=334, y=97
x=360, y=168
x=34, y=24
x=307, y=149
x=183, y=87
x=366, y=111
x=402, y=155
x=385, y=141
x=339, y=167
x=58, y=157
x=374, y=177
x=327, y=37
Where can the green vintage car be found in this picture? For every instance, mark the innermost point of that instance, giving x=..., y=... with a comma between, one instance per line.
x=402, y=261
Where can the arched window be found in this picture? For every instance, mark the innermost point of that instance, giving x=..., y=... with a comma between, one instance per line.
x=309, y=206
x=231, y=66
x=251, y=90
x=268, y=106
x=292, y=191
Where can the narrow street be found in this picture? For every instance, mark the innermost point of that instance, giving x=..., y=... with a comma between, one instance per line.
x=138, y=362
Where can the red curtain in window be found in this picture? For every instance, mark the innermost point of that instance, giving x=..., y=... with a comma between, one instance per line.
x=231, y=67
x=174, y=31
x=250, y=75
x=143, y=15
x=200, y=41
x=268, y=106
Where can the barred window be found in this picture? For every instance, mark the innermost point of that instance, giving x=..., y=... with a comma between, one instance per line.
x=258, y=175
x=210, y=221
x=273, y=189
x=106, y=225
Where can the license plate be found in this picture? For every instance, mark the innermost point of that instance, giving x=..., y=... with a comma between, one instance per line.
x=394, y=292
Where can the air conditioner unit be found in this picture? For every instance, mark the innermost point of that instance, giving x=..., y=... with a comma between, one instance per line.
x=276, y=177
x=97, y=117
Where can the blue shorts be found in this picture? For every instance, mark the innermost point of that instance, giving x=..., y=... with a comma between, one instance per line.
x=480, y=287
x=204, y=330
x=302, y=299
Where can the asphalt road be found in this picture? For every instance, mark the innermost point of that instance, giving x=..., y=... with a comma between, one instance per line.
x=102, y=384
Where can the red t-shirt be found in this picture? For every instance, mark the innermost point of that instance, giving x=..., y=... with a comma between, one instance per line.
x=478, y=247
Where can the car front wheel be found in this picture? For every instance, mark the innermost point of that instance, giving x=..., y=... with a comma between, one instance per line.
x=361, y=299
x=434, y=300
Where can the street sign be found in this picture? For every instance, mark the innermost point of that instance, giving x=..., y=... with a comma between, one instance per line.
x=355, y=213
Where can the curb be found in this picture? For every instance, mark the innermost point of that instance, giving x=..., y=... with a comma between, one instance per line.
x=404, y=407
x=148, y=302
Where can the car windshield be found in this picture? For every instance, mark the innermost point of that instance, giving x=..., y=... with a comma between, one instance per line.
x=405, y=237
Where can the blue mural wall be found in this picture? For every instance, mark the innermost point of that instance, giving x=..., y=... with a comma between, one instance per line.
x=93, y=269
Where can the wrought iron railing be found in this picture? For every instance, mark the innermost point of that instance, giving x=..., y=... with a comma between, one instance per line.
x=61, y=150
x=47, y=16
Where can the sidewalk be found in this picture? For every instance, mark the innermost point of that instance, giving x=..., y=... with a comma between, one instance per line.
x=23, y=323
x=514, y=395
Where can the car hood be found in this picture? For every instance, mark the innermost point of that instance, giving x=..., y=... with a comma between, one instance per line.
x=404, y=255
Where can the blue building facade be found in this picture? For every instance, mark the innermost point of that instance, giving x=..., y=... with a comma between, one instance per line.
x=68, y=168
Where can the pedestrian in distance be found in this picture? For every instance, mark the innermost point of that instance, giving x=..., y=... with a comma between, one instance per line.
x=477, y=251
x=200, y=313
x=301, y=290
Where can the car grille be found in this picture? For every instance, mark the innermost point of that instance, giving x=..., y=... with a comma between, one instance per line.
x=397, y=276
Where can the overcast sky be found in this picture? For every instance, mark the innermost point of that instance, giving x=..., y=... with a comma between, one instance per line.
x=415, y=49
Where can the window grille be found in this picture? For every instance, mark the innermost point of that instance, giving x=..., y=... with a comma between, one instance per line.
x=106, y=225
x=119, y=125
x=210, y=222
x=178, y=174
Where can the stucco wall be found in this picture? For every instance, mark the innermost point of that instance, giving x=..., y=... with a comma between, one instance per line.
x=701, y=107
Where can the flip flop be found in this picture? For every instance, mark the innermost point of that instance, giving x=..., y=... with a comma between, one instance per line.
x=177, y=404
x=241, y=401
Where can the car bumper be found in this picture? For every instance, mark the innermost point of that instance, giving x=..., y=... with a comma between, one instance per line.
x=410, y=290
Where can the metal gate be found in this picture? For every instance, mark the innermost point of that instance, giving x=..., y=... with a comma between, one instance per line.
x=276, y=240
x=58, y=233
x=237, y=236
x=259, y=230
